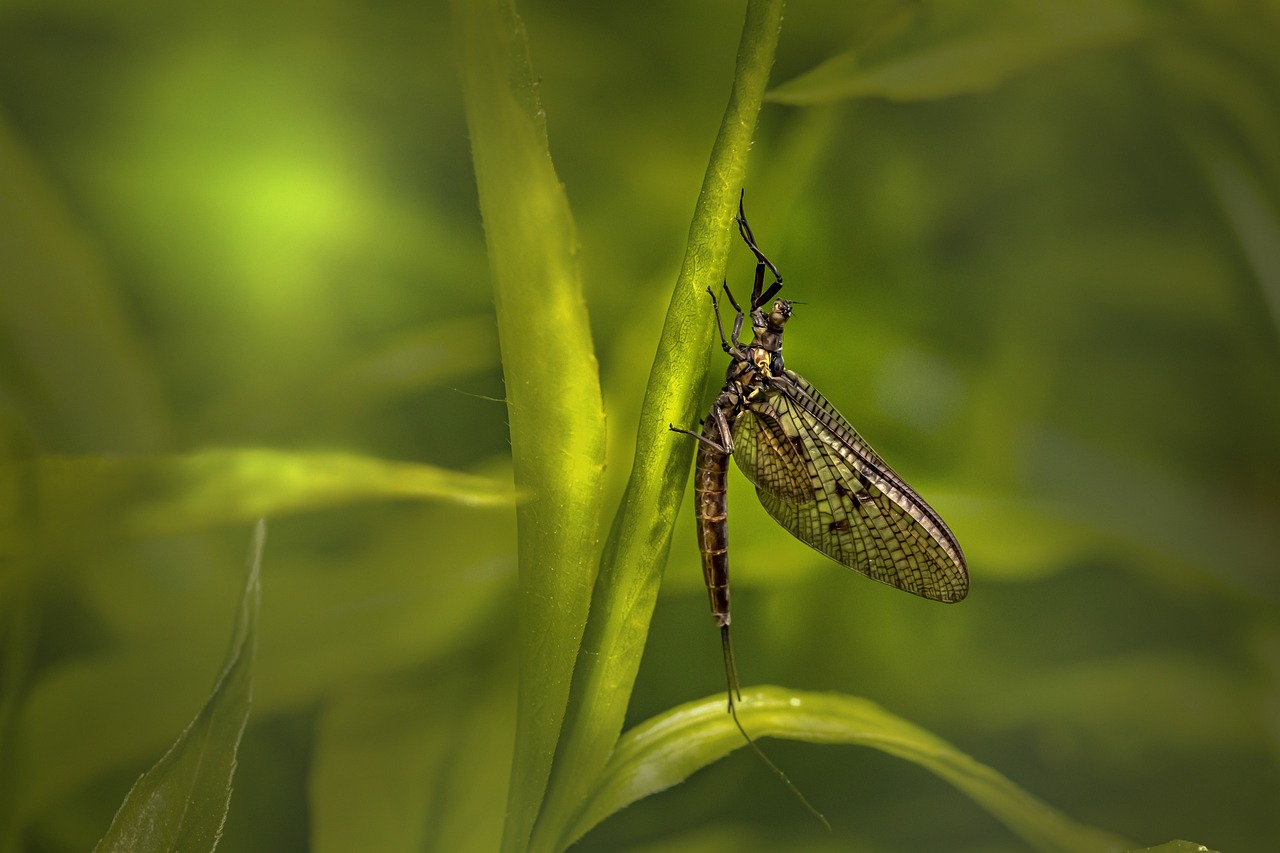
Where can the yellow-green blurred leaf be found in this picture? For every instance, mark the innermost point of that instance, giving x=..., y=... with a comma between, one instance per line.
x=416, y=598
x=554, y=402
x=70, y=357
x=167, y=495
x=958, y=48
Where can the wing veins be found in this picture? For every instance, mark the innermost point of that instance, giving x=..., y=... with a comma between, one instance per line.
x=844, y=439
x=827, y=486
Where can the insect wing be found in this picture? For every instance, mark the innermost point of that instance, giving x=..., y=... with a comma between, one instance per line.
x=770, y=455
x=852, y=507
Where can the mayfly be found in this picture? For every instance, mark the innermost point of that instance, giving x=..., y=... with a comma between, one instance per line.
x=812, y=471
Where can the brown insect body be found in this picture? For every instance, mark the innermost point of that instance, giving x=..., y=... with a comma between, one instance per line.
x=812, y=471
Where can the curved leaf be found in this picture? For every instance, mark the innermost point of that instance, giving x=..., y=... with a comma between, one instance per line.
x=667, y=749
x=180, y=803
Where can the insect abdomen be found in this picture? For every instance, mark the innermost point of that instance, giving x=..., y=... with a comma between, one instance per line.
x=710, y=482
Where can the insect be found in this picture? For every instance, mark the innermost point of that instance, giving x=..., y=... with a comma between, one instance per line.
x=812, y=471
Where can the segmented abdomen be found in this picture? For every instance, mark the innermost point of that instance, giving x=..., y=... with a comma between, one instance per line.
x=710, y=482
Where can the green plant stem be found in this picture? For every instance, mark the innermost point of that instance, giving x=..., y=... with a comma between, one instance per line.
x=636, y=552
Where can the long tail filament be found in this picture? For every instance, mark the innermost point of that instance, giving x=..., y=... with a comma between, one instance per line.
x=731, y=676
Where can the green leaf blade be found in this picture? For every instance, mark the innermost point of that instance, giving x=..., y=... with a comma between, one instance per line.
x=180, y=804
x=554, y=402
x=670, y=747
x=166, y=495
x=636, y=552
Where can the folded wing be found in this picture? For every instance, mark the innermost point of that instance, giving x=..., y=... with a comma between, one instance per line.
x=818, y=478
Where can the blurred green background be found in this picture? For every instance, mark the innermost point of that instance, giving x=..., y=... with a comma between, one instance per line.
x=1050, y=302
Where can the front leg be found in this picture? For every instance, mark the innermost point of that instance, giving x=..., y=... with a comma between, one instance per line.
x=758, y=298
x=735, y=348
x=722, y=423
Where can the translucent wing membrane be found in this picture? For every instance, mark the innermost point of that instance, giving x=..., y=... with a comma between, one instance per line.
x=771, y=455
x=818, y=478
